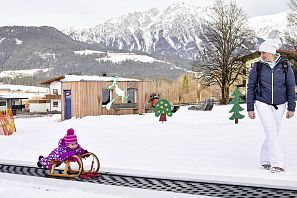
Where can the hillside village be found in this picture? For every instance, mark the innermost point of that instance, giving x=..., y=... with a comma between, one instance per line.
x=50, y=97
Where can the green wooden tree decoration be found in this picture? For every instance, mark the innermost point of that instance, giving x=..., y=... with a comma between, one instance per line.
x=162, y=108
x=236, y=106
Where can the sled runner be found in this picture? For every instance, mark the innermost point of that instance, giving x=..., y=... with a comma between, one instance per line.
x=75, y=167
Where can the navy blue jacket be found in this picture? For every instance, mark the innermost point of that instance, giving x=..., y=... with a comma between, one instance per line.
x=273, y=86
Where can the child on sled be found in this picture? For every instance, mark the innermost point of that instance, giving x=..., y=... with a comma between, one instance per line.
x=67, y=147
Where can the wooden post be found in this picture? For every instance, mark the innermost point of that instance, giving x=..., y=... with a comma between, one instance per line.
x=163, y=118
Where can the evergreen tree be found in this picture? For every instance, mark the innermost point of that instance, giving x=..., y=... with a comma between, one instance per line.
x=186, y=83
x=236, y=106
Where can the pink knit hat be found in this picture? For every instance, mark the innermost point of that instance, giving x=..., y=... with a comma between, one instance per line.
x=70, y=137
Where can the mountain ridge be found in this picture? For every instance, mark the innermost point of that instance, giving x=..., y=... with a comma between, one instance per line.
x=52, y=53
x=174, y=32
x=152, y=31
x=152, y=44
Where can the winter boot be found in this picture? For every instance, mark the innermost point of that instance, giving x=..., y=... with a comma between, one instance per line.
x=266, y=166
x=38, y=163
x=58, y=164
x=276, y=169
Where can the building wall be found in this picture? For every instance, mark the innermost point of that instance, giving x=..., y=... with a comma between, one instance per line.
x=17, y=101
x=3, y=104
x=55, y=85
x=5, y=91
x=86, y=97
x=10, y=103
x=24, y=90
x=56, y=108
x=39, y=107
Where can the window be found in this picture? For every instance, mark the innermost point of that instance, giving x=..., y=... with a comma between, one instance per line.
x=131, y=96
x=2, y=103
x=55, y=104
x=244, y=83
x=55, y=91
x=244, y=71
x=106, y=96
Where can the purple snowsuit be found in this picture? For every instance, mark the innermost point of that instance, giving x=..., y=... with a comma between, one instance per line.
x=60, y=154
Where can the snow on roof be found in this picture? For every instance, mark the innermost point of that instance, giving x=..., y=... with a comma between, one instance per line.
x=73, y=78
x=49, y=81
x=14, y=96
x=23, y=88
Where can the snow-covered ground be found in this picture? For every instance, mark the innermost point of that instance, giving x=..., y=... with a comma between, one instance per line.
x=88, y=52
x=120, y=57
x=12, y=186
x=202, y=146
x=21, y=73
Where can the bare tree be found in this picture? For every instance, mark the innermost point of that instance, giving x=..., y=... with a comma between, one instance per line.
x=291, y=34
x=228, y=38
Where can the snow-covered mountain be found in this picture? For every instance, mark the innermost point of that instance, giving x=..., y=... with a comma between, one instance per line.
x=36, y=53
x=142, y=44
x=174, y=31
x=119, y=57
x=270, y=25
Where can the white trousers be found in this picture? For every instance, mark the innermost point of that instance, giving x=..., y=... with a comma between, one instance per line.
x=271, y=152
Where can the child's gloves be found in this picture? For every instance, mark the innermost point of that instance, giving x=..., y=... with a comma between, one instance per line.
x=87, y=155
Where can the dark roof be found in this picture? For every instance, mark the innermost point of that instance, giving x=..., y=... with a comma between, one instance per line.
x=52, y=80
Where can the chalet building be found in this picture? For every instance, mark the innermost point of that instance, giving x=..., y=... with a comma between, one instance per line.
x=79, y=96
x=17, y=97
x=54, y=96
x=248, y=62
x=13, y=102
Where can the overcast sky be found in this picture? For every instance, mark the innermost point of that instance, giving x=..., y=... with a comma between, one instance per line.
x=88, y=13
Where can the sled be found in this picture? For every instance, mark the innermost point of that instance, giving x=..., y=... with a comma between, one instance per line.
x=206, y=106
x=74, y=167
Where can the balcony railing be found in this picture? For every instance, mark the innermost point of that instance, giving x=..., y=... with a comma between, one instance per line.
x=50, y=96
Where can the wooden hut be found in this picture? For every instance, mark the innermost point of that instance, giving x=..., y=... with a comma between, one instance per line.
x=88, y=96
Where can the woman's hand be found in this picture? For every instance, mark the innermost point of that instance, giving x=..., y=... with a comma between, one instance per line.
x=290, y=114
x=252, y=114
